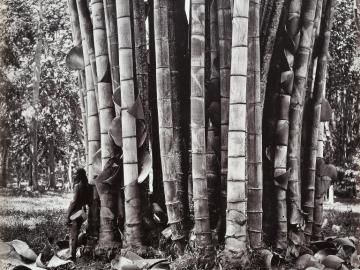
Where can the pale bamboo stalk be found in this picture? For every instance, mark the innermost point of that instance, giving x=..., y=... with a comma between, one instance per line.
x=130, y=159
x=112, y=41
x=301, y=63
x=198, y=142
x=107, y=237
x=93, y=130
x=254, y=125
x=166, y=124
x=224, y=23
x=236, y=216
x=87, y=33
x=77, y=41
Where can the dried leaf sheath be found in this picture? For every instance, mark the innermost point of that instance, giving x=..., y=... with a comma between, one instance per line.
x=254, y=125
x=166, y=126
x=198, y=144
x=236, y=217
x=128, y=122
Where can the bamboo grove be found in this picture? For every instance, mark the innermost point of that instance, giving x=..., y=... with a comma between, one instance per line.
x=217, y=118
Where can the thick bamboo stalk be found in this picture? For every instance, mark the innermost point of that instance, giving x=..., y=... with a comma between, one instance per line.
x=166, y=125
x=282, y=124
x=319, y=91
x=130, y=159
x=269, y=32
x=198, y=144
x=92, y=125
x=107, y=237
x=213, y=127
x=87, y=33
x=177, y=50
x=236, y=216
x=254, y=125
x=224, y=23
x=315, y=39
x=77, y=41
x=301, y=63
x=112, y=41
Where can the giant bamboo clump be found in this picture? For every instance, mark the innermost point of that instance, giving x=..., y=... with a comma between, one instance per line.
x=166, y=125
x=130, y=157
x=198, y=142
x=236, y=217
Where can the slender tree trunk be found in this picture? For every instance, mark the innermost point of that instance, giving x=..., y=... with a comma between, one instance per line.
x=236, y=216
x=166, y=124
x=52, y=182
x=130, y=159
x=3, y=162
x=254, y=125
x=224, y=21
x=301, y=63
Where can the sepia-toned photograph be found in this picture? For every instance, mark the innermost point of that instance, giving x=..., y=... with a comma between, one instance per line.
x=180, y=134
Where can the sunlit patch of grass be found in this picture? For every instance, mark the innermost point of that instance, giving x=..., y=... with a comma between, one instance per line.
x=33, y=219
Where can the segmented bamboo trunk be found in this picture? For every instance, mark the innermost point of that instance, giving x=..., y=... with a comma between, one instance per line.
x=254, y=125
x=112, y=42
x=236, y=217
x=130, y=159
x=87, y=34
x=224, y=22
x=313, y=54
x=75, y=26
x=269, y=30
x=93, y=128
x=319, y=92
x=198, y=142
x=106, y=115
x=282, y=125
x=166, y=124
x=213, y=113
x=301, y=63
x=177, y=49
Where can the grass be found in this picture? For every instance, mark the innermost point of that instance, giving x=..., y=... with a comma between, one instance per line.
x=35, y=218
